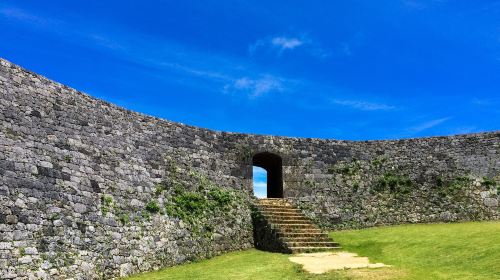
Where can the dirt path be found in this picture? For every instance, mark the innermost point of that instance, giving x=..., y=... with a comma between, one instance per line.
x=318, y=263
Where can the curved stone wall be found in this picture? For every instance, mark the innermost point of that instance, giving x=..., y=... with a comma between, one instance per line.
x=90, y=190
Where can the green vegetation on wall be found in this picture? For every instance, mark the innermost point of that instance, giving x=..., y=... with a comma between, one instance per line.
x=394, y=183
x=453, y=186
x=346, y=168
x=192, y=198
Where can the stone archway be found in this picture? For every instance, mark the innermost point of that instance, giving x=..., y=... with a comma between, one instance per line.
x=272, y=163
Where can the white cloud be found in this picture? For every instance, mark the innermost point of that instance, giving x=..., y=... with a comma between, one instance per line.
x=279, y=44
x=160, y=58
x=284, y=43
x=363, y=105
x=256, y=87
x=429, y=124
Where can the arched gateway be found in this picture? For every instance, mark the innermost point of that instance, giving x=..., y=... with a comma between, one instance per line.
x=272, y=163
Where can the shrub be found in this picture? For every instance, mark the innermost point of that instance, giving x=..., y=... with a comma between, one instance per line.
x=106, y=203
x=488, y=182
x=195, y=206
x=124, y=219
x=191, y=202
x=399, y=184
x=452, y=186
x=159, y=188
x=67, y=158
x=344, y=168
x=153, y=207
x=221, y=197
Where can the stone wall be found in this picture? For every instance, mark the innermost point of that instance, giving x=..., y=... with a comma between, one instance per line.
x=348, y=184
x=89, y=190
x=362, y=184
x=85, y=185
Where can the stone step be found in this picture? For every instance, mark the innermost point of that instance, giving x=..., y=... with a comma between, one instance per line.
x=287, y=216
x=275, y=202
x=280, y=213
x=304, y=234
x=278, y=207
x=288, y=221
x=318, y=238
x=290, y=232
x=281, y=216
x=311, y=249
x=312, y=244
x=295, y=226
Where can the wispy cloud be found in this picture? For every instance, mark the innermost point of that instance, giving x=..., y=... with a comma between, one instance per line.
x=428, y=124
x=164, y=59
x=483, y=101
x=256, y=87
x=422, y=5
x=363, y=105
x=18, y=14
x=414, y=4
x=284, y=43
x=279, y=44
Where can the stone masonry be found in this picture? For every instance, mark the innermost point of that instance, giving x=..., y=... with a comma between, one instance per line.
x=89, y=190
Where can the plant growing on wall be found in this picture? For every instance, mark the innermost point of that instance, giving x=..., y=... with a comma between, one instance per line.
x=394, y=183
x=453, y=186
x=153, y=207
x=106, y=203
x=346, y=168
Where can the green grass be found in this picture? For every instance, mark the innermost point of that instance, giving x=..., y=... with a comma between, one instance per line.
x=432, y=251
x=435, y=251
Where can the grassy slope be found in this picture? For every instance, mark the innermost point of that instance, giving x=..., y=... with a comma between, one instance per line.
x=437, y=251
x=433, y=251
x=250, y=264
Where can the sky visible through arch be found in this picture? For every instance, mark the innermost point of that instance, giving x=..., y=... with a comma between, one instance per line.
x=259, y=182
x=355, y=70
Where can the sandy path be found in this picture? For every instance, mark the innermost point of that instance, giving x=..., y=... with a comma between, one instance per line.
x=322, y=262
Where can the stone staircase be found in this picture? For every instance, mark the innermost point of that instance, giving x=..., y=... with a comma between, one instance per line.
x=294, y=230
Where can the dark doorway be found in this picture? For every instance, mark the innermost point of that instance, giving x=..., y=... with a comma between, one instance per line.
x=273, y=165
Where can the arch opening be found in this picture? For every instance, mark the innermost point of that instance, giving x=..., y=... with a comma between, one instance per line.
x=272, y=163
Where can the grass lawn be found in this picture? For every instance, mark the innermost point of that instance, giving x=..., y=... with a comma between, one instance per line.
x=435, y=251
x=432, y=251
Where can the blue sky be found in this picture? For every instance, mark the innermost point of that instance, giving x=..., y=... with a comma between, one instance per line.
x=352, y=69
x=259, y=182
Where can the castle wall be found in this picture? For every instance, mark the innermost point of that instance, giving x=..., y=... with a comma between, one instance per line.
x=91, y=190
x=77, y=176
